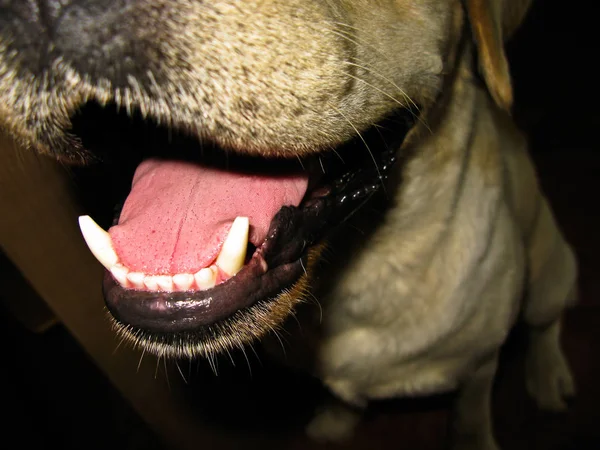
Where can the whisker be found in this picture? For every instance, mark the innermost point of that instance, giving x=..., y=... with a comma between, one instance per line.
x=123, y=338
x=280, y=341
x=303, y=268
x=255, y=353
x=358, y=41
x=365, y=143
x=355, y=228
x=378, y=90
x=241, y=346
x=156, y=368
x=404, y=94
x=180, y=372
x=318, y=303
x=380, y=129
x=212, y=363
x=337, y=154
x=166, y=373
x=230, y=357
x=383, y=77
x=140, y=361
x=293, y=314
x=346, y=25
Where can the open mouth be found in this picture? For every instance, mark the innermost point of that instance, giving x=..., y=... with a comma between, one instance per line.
x=209, y=243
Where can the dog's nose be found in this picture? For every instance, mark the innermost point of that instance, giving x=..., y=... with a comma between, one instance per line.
x=87, y=35
x=25, y=26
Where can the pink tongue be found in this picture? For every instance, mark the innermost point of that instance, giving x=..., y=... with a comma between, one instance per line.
x=178, y=214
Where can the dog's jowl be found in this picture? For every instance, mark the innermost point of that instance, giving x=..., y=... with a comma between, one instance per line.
x=257, y=133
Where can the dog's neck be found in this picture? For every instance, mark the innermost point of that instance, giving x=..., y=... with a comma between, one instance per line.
x=431, y=179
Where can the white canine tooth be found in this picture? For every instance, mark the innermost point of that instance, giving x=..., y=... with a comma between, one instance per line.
x=120, y=273
x=136, y=279
x=206, y=278
x=165, y=282
x=183, y=281
x=233, y=253
x=151, y=283
x=98, y=241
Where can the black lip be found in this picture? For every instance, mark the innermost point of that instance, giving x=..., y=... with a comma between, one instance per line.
x=174, y=312
x=277, y=264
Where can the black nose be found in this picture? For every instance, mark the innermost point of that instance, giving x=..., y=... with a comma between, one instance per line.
x=90, y=36
x=24, y=28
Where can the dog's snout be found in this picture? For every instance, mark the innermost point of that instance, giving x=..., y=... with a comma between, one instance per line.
x=269, y=78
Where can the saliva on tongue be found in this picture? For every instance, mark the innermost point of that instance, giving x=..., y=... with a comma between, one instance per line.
x=179, y=213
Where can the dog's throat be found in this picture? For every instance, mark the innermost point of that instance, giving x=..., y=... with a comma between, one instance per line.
x=178, y=213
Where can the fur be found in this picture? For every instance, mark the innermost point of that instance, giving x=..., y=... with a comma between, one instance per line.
x=468, y=245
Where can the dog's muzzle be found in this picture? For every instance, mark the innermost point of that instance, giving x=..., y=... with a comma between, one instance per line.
x=225, y=182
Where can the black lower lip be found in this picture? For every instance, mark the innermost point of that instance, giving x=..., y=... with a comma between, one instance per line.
x=175, y=312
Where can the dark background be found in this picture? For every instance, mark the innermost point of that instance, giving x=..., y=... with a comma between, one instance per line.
x=53, y=396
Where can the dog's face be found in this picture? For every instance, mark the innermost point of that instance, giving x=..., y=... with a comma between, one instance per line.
x=239, y=108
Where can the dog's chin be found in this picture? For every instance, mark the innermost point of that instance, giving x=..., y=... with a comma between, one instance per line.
x=276, y=273
x=177, y=339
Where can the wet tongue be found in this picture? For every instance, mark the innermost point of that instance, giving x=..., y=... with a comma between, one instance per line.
x=178, y=213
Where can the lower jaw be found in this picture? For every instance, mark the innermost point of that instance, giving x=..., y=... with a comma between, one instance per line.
x=243, y=326
x=173, y=312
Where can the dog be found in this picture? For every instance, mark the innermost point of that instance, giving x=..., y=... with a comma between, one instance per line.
x=270, y=131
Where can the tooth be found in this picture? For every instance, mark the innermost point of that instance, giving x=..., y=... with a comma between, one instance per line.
x=151, y=283
x=233, y=253
x=165, y=282
x=183, y=281
x=136, y=279
x=98, y=241
x=206, y=278
x=120, y=274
